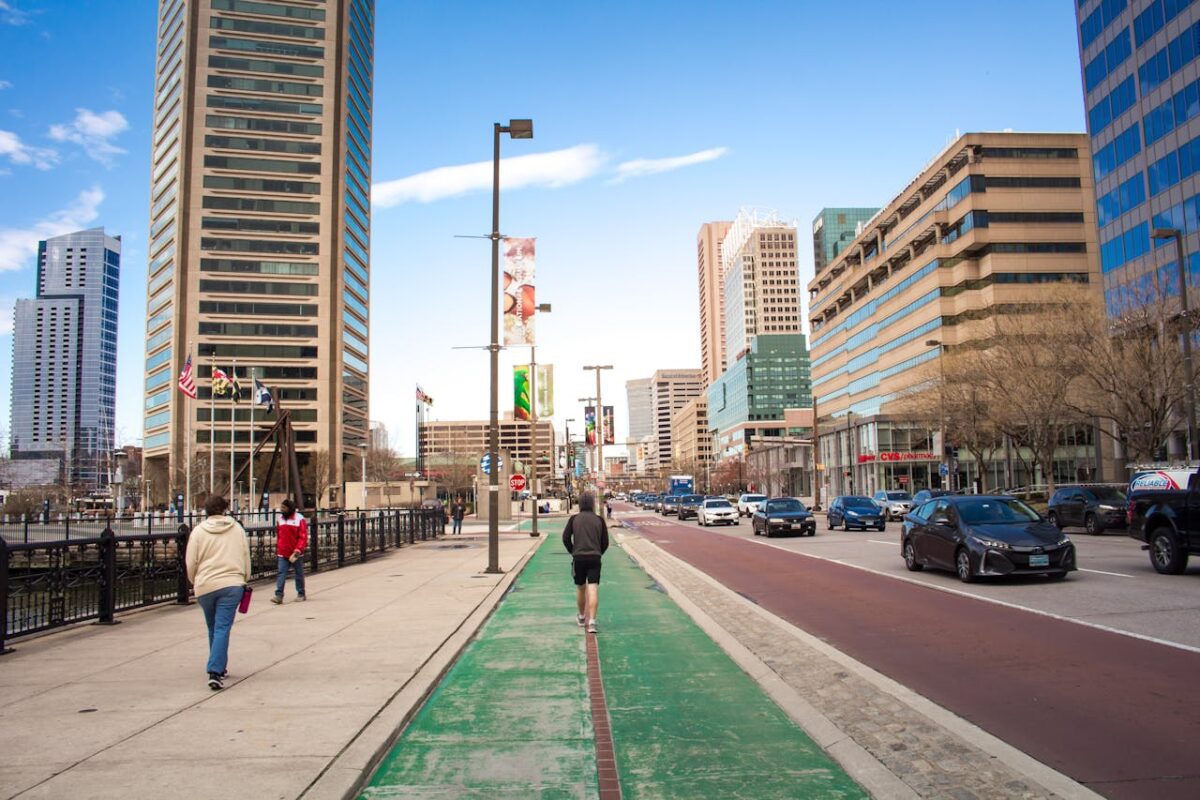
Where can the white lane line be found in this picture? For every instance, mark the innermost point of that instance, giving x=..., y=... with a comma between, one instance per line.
x=1102, y=572
x=936, y=587
x=876, y=541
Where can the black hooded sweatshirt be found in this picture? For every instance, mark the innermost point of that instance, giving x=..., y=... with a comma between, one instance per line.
x=585, y=535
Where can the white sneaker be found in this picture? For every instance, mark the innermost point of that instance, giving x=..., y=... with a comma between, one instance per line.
x=591, y=626
x=579, y=618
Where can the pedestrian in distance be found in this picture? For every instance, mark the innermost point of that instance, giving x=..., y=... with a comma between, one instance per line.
x=291, y=539
x=457, y=512
x=608, y=508
x=218, y=567
x=586, y=538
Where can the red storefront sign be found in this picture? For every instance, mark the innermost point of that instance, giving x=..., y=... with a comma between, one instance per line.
x=894, y=456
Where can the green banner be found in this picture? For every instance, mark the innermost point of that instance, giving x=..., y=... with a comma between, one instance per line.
x=521, y=399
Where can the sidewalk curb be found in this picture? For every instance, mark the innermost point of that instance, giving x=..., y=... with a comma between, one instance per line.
x=345, y=776
x=863, y=767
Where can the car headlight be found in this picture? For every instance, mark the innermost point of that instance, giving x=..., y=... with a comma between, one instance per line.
x=851, y=513
x=776, y=521
x=992, y=543
x=1064, y=540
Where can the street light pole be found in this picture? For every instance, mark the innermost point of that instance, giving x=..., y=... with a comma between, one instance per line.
x=517, y=129
x=364, y=477
x=942, y=406
x=1189, y=374
x=570, y=473
x=599, y=424
x=533, y=417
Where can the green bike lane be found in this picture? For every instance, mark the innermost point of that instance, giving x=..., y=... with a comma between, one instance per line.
x=512, y=717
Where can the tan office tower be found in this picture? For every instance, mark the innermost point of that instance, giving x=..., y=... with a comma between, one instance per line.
x=670, y=390
x=259, y=250
x=712, y=299
x=762, y=284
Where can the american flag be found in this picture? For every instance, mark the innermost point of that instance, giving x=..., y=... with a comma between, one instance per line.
x=187, y=381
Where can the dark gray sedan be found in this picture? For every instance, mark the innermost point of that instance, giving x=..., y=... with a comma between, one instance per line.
x=783, y=515
x=984, y=535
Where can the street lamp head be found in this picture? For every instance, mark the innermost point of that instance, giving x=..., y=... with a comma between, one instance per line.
x=544, y=308
x=1165, y=233
x=520, y=128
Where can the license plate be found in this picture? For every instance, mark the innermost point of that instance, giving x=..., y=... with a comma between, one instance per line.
x=1039, y=561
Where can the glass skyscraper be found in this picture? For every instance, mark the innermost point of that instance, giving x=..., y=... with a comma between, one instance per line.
x=64, y=386
x=260, y=224
x=1141, y=78
x=833, y=229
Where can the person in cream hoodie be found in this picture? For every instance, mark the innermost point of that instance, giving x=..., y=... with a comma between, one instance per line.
x=218, y=566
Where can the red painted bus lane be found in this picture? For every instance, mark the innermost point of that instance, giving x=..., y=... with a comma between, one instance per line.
x=1116, y=713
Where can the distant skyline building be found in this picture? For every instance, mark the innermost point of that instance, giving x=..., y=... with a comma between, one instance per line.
x=711, y=279
x=470, y=438
x=379, y=436
x=1141, y=83
x=260, y=219
x=64, y=367
x=833, y=229
x=670, y=390
x=762, y=281
x=641, y=417
x=691, y=440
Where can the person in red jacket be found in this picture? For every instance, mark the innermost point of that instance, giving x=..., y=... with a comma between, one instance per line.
x=291, y=537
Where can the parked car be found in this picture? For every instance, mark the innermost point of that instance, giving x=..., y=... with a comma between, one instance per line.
x=854, y=511
x=894, y=504
x=670, y=504
x=925, y=495
x=1094, y=507
x=689, y=505
x=783, y=515
x=1167, y=521
x=717, y=510
x=747, y=504
x=657, y=505
x=984, y=535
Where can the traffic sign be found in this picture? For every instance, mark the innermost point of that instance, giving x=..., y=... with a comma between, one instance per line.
x=486, y=460
x=943, y=470
x=516, y=482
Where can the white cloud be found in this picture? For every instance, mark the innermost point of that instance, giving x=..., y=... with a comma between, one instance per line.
x=7, y=306
x=12, y=16
x=652, y=166
x=19, y=245
x=550, y=170
x=94, y=132
x=5, y=85
x=18, y=152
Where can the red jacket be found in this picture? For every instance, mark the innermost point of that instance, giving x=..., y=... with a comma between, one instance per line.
x=291, y=535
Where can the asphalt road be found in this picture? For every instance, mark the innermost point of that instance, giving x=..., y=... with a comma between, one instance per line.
x=1113, y=711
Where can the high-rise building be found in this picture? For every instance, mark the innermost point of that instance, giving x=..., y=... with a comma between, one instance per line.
x=260, y=218
x=379, y=436
x=833, y=229
x=762, y=284
x=641, y=416
x=1141, y=81
x=691, y=440
x=712, y=298
x=996, y=222
x=670, y=390
x=64, y=388
x=470, y=438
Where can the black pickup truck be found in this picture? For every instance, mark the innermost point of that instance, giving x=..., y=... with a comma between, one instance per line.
x=1168, y=521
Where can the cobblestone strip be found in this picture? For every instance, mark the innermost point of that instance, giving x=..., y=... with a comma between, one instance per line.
x=931, y=760
x=606, y=759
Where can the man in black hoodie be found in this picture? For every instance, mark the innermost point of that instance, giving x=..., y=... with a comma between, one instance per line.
x=586, y=538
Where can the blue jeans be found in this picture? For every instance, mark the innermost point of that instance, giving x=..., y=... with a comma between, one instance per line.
x=457, y=525
x=298, y=567
x=220, y=607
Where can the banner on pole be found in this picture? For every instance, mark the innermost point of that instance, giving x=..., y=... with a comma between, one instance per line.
x=521, y=399
x=589, y=425
x=609, y=436
x=545, y=390
x=519, y=303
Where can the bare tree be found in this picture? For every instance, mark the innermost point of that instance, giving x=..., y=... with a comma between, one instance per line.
x=318, y=473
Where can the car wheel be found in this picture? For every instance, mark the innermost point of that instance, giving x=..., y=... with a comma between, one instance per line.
x=1054, y=520
x=1092, y=525
x=882, y=527
x=962, y=564
x=828, y=522
x=910, y=558
x=767, y=531
x=1166, y=555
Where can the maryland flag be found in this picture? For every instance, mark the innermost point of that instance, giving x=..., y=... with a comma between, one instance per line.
x=221, y=385
x=235, y=387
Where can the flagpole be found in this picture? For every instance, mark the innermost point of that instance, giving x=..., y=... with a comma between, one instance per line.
x=187, y=445
x=253, y=402
x=212, y=429
x=233, y=404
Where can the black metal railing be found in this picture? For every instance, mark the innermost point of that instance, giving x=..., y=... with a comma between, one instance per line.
x=49, y=584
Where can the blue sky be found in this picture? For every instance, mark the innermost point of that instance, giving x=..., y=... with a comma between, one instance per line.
x=650, y=119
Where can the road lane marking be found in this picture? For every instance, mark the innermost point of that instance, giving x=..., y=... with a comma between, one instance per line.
x=1102, y=572
x=936, y=587
x=876, y=541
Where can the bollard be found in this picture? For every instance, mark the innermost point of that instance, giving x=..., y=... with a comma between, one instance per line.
x=3, y=596
x=181, y=586
x=341, y=540
x=108, y=584
x=362, y=537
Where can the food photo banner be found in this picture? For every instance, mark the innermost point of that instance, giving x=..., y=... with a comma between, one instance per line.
x=519, y=303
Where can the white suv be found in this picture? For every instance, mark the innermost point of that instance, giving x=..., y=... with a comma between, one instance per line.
x=748, y=504
x=715, y=510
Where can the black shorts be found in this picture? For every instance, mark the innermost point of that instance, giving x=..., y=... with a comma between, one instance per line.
x=585, y=570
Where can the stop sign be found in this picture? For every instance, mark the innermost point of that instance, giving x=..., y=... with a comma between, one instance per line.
x=516, y=482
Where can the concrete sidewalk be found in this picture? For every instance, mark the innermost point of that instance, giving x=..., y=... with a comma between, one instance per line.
x=124, y=712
